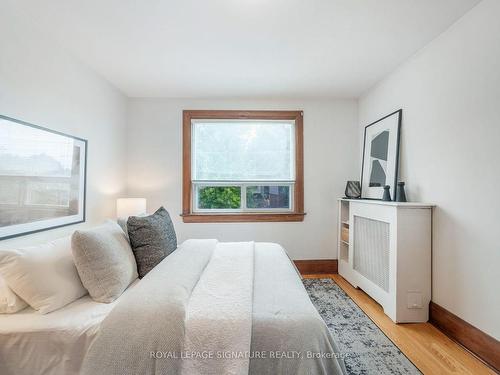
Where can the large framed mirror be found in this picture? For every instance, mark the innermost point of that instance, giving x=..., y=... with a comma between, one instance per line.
x=42, y=178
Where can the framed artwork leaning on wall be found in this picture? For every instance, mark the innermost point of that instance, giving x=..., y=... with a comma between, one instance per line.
x=381, y=156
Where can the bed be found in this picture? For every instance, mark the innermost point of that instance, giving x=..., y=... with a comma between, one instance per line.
x=208, y=308
x=54, y=343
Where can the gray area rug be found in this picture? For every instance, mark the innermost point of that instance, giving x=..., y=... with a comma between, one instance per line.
x=367, y=349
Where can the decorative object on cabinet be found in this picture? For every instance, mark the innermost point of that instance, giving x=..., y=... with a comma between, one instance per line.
x=387, y=194
x=353, y=189
x=400, y=192
x=381, y=156
x=42, y=175
x=388, y=254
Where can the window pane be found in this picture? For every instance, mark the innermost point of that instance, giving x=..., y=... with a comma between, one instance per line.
x=219, y=197
x=240, y=150
x=268, y=197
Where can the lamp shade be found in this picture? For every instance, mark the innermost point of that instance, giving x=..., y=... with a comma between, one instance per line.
x=126, y=207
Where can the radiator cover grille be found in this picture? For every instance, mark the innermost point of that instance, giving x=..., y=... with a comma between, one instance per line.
x=371, y=250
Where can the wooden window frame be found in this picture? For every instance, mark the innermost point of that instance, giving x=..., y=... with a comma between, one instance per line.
x=298, y=207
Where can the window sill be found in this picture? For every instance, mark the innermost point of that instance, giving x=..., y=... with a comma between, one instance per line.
x=243, y=218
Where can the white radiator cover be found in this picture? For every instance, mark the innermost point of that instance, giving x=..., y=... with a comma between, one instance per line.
x=371, y=250
x=389, y=255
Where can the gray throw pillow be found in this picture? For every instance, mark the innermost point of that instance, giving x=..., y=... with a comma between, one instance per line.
x=152, y=238
x=104, y=261
x=122, y=222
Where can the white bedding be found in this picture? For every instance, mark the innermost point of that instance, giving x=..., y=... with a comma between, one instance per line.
x=150, y=317
x=219, y=314
x=55, y=343
x=150, y=329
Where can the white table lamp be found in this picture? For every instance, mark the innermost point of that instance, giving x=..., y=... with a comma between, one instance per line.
x=126, y=207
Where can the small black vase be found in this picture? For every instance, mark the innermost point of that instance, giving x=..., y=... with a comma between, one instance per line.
x=387, y=194
x=353, y=189
x=400, y=192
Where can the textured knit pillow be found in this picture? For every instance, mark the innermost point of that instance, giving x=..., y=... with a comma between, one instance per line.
x=104, y=261
x=152, y=238
x=122, y=222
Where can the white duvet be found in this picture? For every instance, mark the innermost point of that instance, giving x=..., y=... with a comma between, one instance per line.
x=54, y=343
x=240, y=297
x=219, y=313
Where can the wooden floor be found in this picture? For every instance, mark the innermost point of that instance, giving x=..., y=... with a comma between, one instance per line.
x=427, y=347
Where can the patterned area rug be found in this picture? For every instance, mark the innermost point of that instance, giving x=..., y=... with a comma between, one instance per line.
x=368, y=350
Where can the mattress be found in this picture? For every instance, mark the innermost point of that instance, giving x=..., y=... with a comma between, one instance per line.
x=54, y=343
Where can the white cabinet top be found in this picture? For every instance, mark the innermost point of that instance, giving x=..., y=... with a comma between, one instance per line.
x=395, y=204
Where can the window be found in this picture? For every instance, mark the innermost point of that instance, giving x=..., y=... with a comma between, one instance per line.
x=242, y=166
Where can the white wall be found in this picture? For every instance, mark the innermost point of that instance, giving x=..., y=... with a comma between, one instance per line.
x=450, y=95
x=330, y=158
x=41, y=84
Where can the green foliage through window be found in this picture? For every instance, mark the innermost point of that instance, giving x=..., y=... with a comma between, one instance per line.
x=219, y=197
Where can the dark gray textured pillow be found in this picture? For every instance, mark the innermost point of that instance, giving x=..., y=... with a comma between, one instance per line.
x=152, y=238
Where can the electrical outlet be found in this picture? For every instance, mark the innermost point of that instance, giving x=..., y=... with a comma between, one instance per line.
x=414, y=300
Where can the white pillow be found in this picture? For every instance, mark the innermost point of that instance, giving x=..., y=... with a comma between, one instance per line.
x=44, y=276
x=9, y=301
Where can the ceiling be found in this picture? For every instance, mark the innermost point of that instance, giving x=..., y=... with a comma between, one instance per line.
x=242, y=48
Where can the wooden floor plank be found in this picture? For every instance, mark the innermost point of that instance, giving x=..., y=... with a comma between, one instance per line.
x=427, y=347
